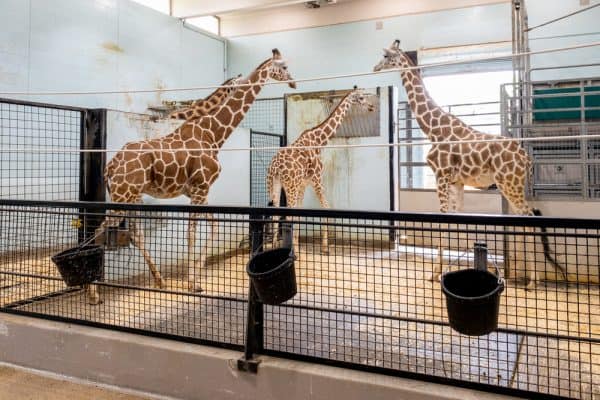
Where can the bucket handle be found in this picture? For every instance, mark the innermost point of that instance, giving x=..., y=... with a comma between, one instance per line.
x=480, y=250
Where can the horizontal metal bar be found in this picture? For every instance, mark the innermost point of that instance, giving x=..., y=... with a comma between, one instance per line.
x=126, y=286
x=120, y=328
x=565, y=67
x=43, y=105
x=562, y=17
x=253, y=132
x=543, y=161
x=20, y=303
x=477, y=219
x=435, y=322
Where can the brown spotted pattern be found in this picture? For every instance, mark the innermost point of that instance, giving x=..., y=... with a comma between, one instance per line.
x=202, y=107
x=183, y=162
x=294, y=168
x=455, y=165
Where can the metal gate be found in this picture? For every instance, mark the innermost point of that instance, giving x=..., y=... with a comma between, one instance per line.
x=259, y=164
x=40, y=145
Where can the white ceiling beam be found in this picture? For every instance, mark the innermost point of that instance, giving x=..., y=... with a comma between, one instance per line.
x=200, y=8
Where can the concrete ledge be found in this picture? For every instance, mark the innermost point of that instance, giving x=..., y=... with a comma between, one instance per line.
x=187, y=371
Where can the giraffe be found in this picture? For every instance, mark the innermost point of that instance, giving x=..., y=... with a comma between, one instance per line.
x=294, y=167
x=202, y=107
x=184, y=162
x=505, y=164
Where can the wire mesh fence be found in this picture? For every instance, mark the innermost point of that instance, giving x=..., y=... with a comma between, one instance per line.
x=266, y=115
x=42, y=174
x=365, y=299
x=259, y=165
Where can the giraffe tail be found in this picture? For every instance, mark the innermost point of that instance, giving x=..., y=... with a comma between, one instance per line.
x=546, y=246
x=273, y=188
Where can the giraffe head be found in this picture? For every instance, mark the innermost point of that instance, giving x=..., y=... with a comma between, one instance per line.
x=359, y=98
x=279, y=70
x=393, y=57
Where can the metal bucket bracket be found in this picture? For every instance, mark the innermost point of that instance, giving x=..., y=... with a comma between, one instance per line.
x=113, y=237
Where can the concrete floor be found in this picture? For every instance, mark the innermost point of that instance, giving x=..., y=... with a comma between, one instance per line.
x=24, y=385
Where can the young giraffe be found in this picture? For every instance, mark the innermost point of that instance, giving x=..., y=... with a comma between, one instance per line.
x=202, y=107
x=183, y=163
x=294, y=167
x=480, y=164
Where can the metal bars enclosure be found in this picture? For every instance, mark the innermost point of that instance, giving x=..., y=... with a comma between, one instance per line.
x=40, y=157
x=259, y=165
x=365, y=303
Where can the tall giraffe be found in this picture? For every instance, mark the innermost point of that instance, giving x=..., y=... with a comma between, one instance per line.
x=185, y=162
x=295, y=167
x=202, y=107
x=478, y=164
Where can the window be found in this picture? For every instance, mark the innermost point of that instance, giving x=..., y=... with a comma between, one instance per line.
x=473, y=97
x=158, y=5
x=209, y=23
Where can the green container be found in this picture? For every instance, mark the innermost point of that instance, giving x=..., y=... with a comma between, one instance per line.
x=572, y=99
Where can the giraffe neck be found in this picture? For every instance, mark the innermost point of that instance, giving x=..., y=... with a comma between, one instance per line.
x=200, y=108
x=320, y=135
x=425, y=109
x=232, y=112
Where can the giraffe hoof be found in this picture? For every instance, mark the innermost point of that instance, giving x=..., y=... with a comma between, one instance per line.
x=531, y=285
x=161, y=283
x=195, y=287
x=94, y=301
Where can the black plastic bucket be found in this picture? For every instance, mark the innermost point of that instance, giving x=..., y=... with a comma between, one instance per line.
x=80, y=265
x=273, y=275
x=472, y=300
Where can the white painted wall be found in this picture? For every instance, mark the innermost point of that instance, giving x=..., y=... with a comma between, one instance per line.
x=298, y=16
x=356, y=47
x=74, y=45
x=577, y=29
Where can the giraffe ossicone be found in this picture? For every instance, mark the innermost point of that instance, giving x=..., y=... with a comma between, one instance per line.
x=456, y=164
x=184, y=162
x=299, y=165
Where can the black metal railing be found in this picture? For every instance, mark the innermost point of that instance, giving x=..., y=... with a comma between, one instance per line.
x=363, y=301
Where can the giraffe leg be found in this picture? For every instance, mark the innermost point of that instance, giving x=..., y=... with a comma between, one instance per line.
x=193, y=278
x=113, y=219
x=196, y=263
x=292, y=201
x=138, y=239
x=318, y=187
x=525, y=250
x=443, y=191
x=276, y=201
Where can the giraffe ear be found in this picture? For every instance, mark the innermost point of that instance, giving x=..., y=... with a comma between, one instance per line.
x=396, y=44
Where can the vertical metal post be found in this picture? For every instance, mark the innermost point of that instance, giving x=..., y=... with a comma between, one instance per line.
x=91, y=168
x=480, y=256
x=583, y=144
x=254, y=321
